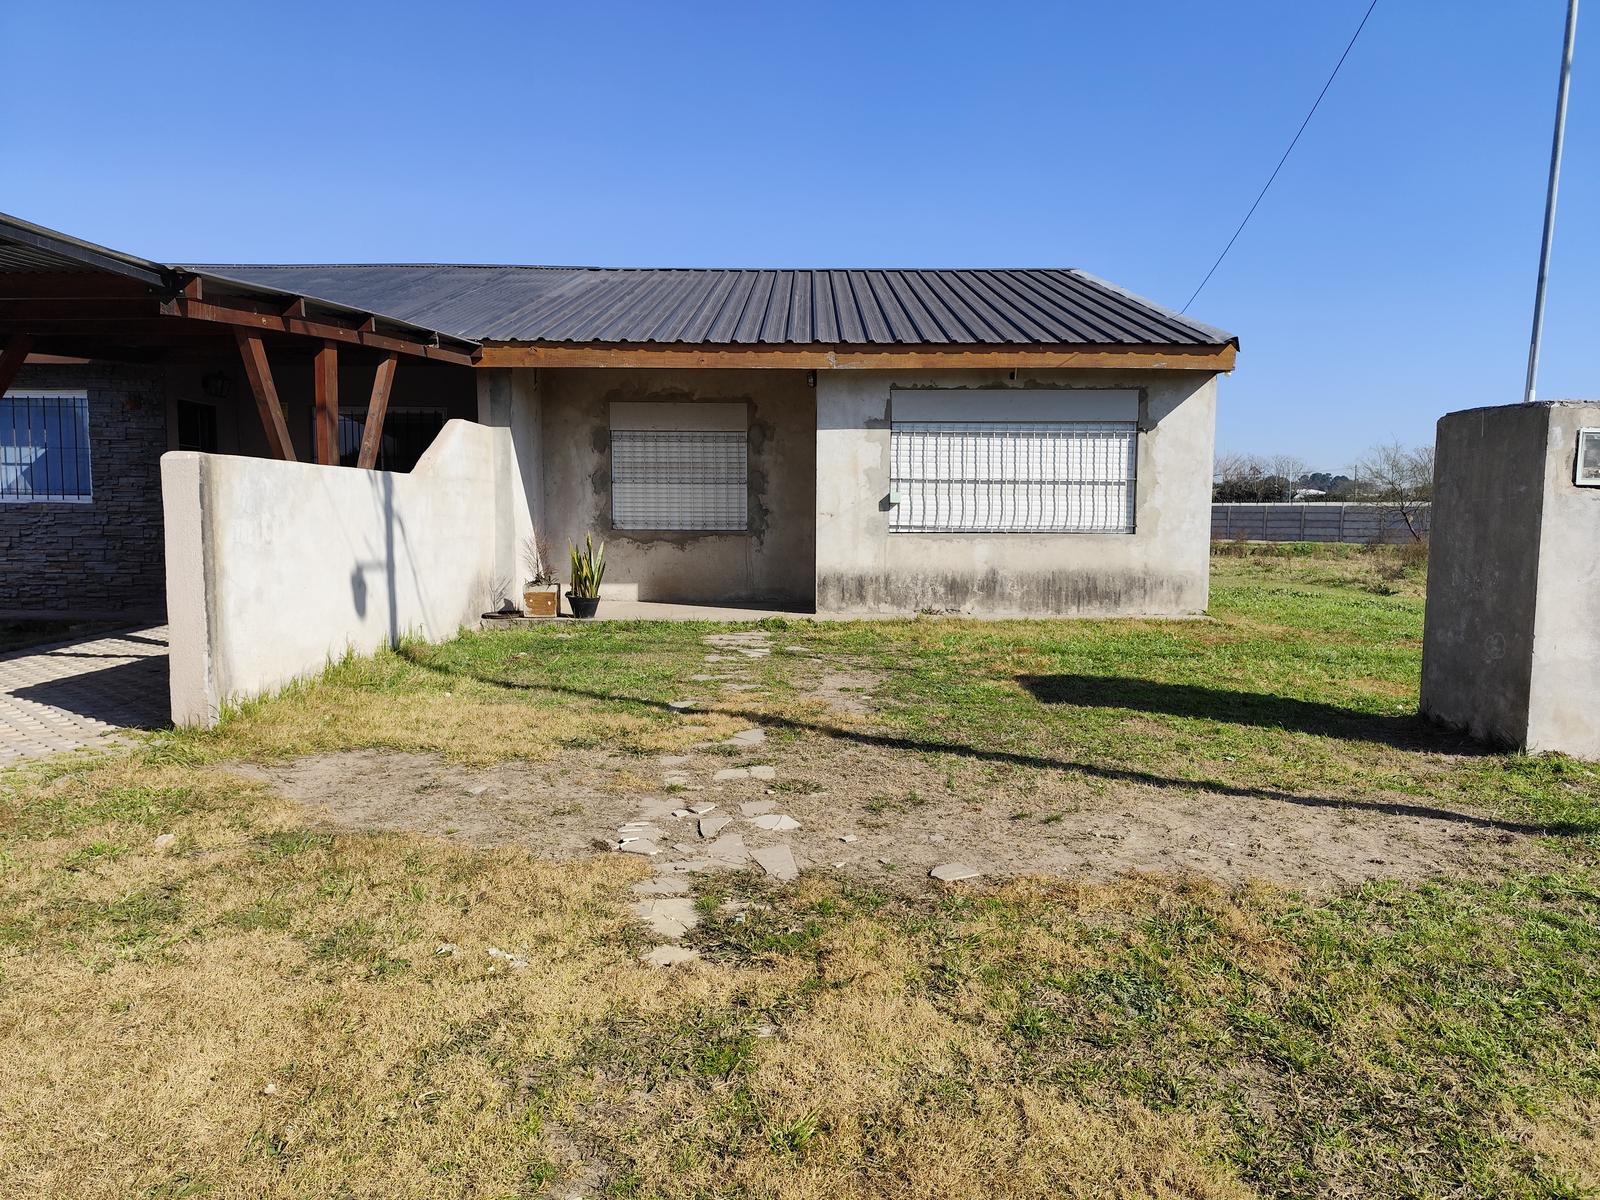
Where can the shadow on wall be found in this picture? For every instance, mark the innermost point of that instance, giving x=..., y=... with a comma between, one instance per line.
x=1129, y=775
x=394, y=532
x=1407, y=731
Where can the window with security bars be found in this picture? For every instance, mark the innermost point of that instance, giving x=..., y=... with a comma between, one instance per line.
x=993, y=477
x=44, y=448
x=679, y=479
x=407, y=434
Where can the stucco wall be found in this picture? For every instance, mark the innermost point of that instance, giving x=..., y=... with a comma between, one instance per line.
x=1512, y=633
x=102, y=558
x=771, y=563
x=1161, y=568
x=275, y=568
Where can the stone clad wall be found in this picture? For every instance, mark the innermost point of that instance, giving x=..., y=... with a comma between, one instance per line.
x=103, y=558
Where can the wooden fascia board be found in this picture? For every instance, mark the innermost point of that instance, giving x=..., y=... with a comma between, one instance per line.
x=827, y=358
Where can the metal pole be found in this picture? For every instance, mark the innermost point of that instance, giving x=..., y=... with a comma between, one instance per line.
x=1550, y=198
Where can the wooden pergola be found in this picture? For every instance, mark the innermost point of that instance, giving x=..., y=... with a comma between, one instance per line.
x=61, y=296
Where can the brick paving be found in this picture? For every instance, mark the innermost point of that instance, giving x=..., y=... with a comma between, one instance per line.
x=82, y=694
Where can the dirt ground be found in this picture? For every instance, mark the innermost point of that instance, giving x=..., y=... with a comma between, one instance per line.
x=575, y=807
x=888, y=816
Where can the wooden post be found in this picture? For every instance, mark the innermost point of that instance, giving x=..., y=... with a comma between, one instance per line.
x=12, y=357
x=372, y=435
x=254, y=354
x=325, y=373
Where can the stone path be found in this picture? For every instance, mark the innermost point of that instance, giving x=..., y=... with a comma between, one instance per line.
x=686, y=836
x=710, y=833
x=82, y=694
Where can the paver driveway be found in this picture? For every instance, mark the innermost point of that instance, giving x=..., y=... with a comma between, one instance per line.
x=80, y=694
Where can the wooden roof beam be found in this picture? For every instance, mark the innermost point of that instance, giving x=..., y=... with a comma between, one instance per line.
x=270, y=321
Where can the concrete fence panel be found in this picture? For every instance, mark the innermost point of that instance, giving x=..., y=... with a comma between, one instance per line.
x=275, y=568
x=1318, y=522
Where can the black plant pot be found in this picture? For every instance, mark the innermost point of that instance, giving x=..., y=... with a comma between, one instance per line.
x=583, y=606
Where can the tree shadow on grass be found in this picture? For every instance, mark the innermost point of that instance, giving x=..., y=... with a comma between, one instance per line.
x=1405, y=731
x=1129, y=775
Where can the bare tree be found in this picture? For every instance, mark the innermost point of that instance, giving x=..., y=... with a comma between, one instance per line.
x=1290, y=469
x=1399, y=478
x=1239, y=477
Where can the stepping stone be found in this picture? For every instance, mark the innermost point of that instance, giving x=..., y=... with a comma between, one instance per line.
x=675, y=778
x=685, y=705
x=747, y=737
x=711, y=826
x=661, y=885
x=673, y=760
x=702, y=809
x=754, y=808
x=766, y=773
x=777, y=861
x=669, y=917
x=777, y=822
x=638, y=846
x=951, y=872
x=639, y=829
x=729, y=774
x=742, y=687
x=669, y=956
x=688, y=866
x=651, y=810
x=728, y=850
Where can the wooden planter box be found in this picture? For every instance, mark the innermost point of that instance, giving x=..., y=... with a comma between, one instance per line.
x=543, y=600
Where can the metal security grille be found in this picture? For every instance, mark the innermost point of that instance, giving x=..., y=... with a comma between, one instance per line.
x=44, y=448
x=407, y=433
x=679, y=479
x=993, y=477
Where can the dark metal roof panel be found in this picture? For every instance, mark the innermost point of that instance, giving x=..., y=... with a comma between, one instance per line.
x=746, y=307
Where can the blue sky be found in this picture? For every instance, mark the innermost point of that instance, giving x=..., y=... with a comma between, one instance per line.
x=1387, y=278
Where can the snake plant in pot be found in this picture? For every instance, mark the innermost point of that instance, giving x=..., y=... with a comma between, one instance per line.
x=588, y=569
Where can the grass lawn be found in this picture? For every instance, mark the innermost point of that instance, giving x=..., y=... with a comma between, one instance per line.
x=269, y=1004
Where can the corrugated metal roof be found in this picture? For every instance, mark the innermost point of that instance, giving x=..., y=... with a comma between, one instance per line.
x=743, y=306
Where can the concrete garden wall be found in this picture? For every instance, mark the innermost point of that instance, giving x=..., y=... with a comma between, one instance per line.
x=275, y=568
x=1163, y=568
x=1512, y=635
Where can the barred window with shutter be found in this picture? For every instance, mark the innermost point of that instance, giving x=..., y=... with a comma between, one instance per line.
x=1013, y=477
x=679, y=479
x=44, y=448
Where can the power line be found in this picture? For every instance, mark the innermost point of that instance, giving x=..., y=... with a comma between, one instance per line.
x=1284, y=159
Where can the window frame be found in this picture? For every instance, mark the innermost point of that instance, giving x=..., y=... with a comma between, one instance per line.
x=738, y=437
x=81, y=396
x=1014, y=489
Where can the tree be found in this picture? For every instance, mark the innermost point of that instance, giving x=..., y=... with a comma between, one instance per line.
x=1400, y=479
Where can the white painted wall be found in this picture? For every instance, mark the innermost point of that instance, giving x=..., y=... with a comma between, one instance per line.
x=1161, y=569
x=275, y=568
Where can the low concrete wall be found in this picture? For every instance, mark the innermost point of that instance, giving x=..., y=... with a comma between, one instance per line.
x=1362, y=523
x=1512, y=635
x=1163, y=568
x=275, y=568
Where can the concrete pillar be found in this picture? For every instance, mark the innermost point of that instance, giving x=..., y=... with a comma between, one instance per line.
x=1511, y=649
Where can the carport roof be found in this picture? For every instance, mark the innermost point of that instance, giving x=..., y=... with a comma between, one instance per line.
x=744, y=307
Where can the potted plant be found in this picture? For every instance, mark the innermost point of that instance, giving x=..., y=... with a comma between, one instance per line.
x=541, y=595
x=588, y=569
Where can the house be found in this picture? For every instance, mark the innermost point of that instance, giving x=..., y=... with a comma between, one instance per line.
x=1001, y=442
